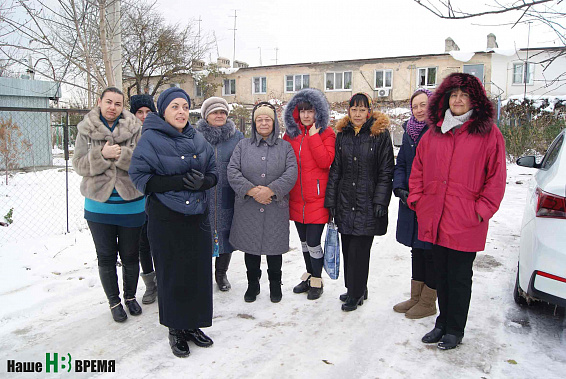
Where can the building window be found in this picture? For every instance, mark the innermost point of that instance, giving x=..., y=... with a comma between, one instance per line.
x=383, y=79
x=339, y=81
x=294, y=83
x=426, y=77
x=259, y=85
x=519, y=74
x=199, y=89
x=229, y=87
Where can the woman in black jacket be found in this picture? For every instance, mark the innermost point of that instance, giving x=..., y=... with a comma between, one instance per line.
x=359, y=190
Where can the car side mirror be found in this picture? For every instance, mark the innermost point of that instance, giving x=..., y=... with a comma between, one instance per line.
x=528, y=161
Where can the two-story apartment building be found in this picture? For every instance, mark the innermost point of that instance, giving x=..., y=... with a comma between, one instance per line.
x=389, y=78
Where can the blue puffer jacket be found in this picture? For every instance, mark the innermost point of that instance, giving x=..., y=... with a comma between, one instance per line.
x=407, y=227
x=163, y=150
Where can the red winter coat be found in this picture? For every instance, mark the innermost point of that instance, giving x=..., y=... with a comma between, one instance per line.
x=314, y=156
x=454, y=177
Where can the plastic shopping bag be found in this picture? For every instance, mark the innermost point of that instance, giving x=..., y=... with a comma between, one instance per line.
x=332, y=251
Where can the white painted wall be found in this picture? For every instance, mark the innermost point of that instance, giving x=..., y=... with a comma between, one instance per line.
x=543, y=85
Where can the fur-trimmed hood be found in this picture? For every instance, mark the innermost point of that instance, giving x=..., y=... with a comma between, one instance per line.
x=378, y=123
x=484, y=112
x=215, y=135
x=318, y=101
x=92, y=126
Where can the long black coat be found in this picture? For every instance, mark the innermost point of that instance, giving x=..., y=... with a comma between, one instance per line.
x=407, y=226
x=361, y=176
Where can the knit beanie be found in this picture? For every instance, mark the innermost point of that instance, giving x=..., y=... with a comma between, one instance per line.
x=139, y=101
x=264, y=110
x=168, y=96
x=213, y=104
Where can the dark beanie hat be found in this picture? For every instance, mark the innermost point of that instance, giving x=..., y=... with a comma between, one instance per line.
x=139, y=101
x=168, y=96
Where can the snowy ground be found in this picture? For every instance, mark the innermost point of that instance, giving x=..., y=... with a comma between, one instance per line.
x=52, y=301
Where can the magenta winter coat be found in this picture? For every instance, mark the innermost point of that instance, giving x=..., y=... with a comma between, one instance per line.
x=454, y=176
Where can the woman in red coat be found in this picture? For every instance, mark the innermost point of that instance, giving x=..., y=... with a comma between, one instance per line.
x=457, y=183
x=306, y=120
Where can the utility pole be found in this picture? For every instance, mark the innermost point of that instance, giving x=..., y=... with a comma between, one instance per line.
x=235, y=17
x=198, y=36
x=276, y=52
x=526, y=73
x=260, y=56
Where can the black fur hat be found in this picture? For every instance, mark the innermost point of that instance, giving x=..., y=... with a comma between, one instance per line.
x=138, y=101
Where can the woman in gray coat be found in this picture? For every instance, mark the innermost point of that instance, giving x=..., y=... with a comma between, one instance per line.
x=262, y=171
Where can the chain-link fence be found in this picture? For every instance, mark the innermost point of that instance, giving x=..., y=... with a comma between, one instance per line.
x=39, y=190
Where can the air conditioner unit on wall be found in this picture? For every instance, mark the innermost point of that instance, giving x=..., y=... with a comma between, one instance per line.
x=383, y=92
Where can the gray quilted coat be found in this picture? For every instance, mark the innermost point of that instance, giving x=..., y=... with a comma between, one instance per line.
x=256, y=228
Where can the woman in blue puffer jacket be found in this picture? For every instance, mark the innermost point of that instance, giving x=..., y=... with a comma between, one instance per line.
x=174, y=166
x=423, y=288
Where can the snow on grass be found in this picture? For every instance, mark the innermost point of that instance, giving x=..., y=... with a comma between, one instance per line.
x=52, y=301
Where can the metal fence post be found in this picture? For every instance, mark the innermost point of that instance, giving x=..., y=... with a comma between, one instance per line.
x=66, y=149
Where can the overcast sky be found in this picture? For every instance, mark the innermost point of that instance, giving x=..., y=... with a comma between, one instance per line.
x=316, y=30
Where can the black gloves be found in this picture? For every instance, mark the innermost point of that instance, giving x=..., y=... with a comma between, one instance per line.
x=197, y=181
x=379, y=210
x=164, y=183
x=332, y=212
x=193, y=180
x=402, y=195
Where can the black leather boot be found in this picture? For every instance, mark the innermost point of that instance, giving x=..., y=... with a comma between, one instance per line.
x=344, y=296
x=304, y=285
x=434, y=335
x=178, y=343
x=275, y=285
x=109, y=281
x=253, y=285
x=221, y=267
x=352, y=303
x=130, y=276
x=449, y=341
x=198, y=337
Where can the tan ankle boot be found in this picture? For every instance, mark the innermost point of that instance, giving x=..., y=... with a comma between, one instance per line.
x=416, y=289
x=426, y=305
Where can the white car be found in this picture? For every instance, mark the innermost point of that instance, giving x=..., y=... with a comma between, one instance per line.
x=541, y=273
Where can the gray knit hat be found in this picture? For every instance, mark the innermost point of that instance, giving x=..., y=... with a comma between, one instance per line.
x=213, y=104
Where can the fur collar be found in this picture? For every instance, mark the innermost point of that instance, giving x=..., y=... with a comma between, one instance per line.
x=377, y=123
x=92, y=126
x=215, y=135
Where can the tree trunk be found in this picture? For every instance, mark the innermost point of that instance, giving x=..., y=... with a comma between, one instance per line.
x=104, y=44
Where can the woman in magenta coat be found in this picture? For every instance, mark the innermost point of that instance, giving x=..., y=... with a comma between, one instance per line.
x=456, y=185
x=306, y=120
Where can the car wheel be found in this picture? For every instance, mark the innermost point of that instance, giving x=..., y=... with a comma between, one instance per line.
x=517, y=294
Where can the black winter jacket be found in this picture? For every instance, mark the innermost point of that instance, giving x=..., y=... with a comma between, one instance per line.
x=361, y=176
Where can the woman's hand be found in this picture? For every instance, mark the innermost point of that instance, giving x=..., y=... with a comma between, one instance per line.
x=111, y=151
x=263, y=196
x=252, y=192
x=313, y=130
